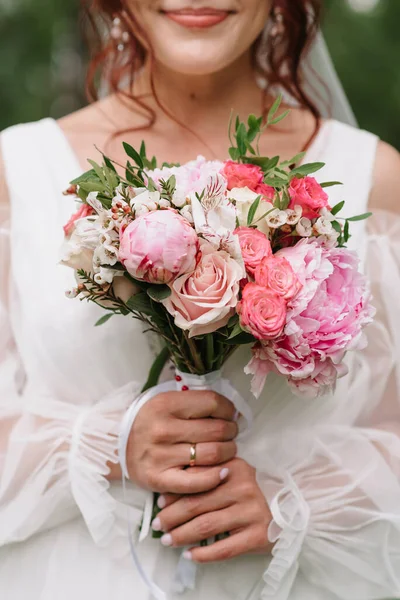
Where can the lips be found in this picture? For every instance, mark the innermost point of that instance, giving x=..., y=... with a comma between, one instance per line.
x=197, y=18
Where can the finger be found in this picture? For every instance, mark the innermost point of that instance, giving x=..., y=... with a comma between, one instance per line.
x=246, y=541
x=205, y=526
x=187, y=508
x=194, y=431
x=205, y=403
x=165, y=500
x=207, y=454
x=191, y=481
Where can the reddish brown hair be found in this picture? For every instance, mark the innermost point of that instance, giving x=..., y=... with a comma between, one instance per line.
x=281, y=55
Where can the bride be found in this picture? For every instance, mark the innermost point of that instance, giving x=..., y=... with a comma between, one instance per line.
x=311, y=497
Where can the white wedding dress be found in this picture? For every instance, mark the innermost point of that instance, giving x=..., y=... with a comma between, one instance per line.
x=330, y=468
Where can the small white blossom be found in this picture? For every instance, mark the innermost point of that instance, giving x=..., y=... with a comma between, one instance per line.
x=71, y=294
x=329, y=241
x=276, y=218
x=186, y=213
x=104, y=276
x=145, y=202
x=164, y=203
x=179, y=197
x=304, y=227
x=323, y=226
x=326, y=214
x=294, y=215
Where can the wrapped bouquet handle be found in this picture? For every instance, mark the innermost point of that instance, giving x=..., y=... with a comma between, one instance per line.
x=186, y=572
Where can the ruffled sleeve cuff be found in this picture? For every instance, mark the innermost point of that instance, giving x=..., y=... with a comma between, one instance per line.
x=287, y=531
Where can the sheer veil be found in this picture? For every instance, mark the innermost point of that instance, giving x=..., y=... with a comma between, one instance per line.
x=324, y=84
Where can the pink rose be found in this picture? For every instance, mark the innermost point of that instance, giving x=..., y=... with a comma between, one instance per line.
x=276, y=274
x=203, y=301
x=158, y=247
x=244, y=175
x=307, y=193
x=84, y=211
x=262, y=312
x=254, y=245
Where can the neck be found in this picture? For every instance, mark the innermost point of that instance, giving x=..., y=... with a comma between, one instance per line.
x=202, y=103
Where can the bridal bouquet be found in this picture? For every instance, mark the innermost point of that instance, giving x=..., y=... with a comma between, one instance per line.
x=211, y=255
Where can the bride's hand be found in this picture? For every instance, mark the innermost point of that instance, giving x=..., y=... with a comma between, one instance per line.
x=237, y=506
x=163, y=432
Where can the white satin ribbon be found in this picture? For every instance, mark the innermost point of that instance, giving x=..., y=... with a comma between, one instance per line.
x=185, y=575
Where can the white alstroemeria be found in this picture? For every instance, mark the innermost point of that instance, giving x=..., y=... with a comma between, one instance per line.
x=94, y=203
x=186, y=213
x=304, y=227
x=214, y=210
x=227, y=241
x=276, y=218
x=294, y=215
x=323, y=226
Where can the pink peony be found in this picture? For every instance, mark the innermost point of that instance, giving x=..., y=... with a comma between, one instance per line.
x=324, y=320
x=261, y=312
x=254, y=245
x=203, y=301
x=307, y=193
x=276, y=274
x=84, y=211
x=158, y=247
x=243, y=175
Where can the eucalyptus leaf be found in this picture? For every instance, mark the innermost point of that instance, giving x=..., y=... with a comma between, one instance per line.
x=133, y=154
x=252, y=210
x=241, y=339
x=140, y=303
x=159, y=292
x=330, y=183
x=104, y=319
x=337, y=208
x=308, y=168
x=360, y=217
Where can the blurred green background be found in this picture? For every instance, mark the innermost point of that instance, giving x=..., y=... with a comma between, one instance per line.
x=42, y=60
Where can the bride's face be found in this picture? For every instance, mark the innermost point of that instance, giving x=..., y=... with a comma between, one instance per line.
x=200, y=37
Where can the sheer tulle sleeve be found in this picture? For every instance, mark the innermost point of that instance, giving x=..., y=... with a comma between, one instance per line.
x=335, y=498
x=53, y=455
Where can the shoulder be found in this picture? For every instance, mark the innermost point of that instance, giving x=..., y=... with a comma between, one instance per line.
x=385, y=192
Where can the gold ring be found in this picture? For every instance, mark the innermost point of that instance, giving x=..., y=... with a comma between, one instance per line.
x=192, y=461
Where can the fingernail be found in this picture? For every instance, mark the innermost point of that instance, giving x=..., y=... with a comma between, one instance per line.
x=187, y=555
x=161, y=502
x=166, y=540
x=224, y=474
x=156, y=524
x=236, y=415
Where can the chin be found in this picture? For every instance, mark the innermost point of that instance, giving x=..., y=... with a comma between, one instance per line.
x=197, y=61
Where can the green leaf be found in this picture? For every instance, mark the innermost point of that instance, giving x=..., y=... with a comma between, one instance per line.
x=272, y=111
x=156, y=369
x=237, y=330
x=140, y=303
x=241, y=139
x=92, y=186
x=294, y=160
x=252, y=210
x=232, y=321
x=280, y=118
x=242, y=338
x=271, y=163
x=337, y=208
x=337, y=227
x=159, y=292
x=307, y=169
x=104, y=319
x=346, y=234
x=360, y=217
x=98, y=170
x=131, y=152
x=108, y=163
x=234, y=153
x=87, y=176
x=330, y=183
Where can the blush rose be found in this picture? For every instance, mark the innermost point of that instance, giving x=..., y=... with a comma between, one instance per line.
x=262, y=312
x=254, y=245
x=276, y=274
x=203, y=301
x=307, y=193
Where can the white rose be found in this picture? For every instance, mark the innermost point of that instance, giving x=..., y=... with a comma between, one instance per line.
x=244, y=198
